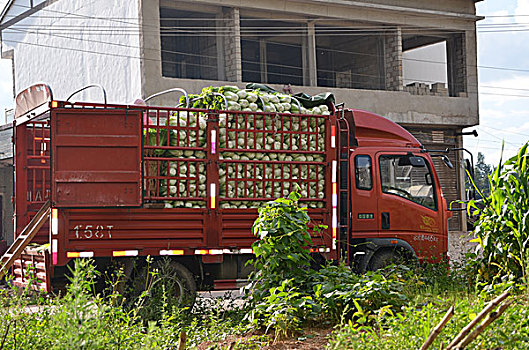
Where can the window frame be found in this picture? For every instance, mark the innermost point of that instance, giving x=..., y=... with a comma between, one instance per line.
x=434, y=190
x=370, y=172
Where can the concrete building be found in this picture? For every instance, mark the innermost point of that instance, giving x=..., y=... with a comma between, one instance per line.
x=353, y=48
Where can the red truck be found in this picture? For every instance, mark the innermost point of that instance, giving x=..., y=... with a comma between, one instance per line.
x=128, y=181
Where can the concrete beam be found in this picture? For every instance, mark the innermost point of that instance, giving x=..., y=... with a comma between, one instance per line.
x=362, y=11
x=399, y=106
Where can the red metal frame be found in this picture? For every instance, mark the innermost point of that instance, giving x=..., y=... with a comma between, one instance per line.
x=32, y=174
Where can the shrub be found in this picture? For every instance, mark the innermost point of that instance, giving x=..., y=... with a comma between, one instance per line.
x=281, y=252
x=286, y=294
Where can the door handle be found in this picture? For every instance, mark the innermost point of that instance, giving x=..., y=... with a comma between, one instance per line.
x=385, y=221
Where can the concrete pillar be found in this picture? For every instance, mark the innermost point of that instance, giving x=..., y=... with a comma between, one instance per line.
x=220, y=48
x=461, y=176
x=262, y=61
x=393, y=60
x=150, y=46
x=457, y=65
x=232, y=44
x=311, y=54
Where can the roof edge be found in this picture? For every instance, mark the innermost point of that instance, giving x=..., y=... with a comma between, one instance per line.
x=6, y=8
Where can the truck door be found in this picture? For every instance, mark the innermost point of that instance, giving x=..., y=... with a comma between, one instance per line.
x=364, y=183
x=408, y=202
x=96, y=158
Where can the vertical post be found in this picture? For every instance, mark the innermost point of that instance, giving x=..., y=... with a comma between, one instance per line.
x=221, y=73
x=393, y=60
x=232, y=44
x=461, y=174
x=457, y=65
x=311, y=53
x=262, y=61
x=213, y=224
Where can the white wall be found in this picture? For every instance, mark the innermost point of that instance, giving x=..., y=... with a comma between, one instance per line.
x=75, y=48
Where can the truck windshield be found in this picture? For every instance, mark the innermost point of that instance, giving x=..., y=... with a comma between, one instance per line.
x=400, y=178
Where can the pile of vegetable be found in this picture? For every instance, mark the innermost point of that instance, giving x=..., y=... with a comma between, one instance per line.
x=254, y=138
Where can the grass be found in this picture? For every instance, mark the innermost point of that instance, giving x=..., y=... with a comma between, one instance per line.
x=82, y=320
x=409, y=329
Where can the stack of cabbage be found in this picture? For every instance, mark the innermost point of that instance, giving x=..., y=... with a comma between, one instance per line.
x=251, y=132
x=187, y=172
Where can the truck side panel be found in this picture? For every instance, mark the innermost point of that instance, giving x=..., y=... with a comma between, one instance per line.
x=104, y=231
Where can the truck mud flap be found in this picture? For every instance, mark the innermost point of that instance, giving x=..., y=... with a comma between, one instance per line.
x=32, y=270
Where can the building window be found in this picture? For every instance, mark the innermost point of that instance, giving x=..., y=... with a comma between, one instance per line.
x=188, y=44
x=349, y=59
x=364, y=177
x=272, y=51
x=434, y=64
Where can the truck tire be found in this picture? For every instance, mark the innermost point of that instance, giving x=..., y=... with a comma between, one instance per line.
x=385, y=258
x=167, y=282
x=184, y=281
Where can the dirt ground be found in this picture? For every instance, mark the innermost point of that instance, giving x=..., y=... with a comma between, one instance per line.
x=311, y=339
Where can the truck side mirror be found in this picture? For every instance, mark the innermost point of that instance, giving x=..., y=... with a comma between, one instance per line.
x=447, y=162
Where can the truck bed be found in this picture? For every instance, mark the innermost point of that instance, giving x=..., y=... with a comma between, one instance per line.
x=199, y=176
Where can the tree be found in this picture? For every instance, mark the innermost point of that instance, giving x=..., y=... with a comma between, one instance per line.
x=481, y=175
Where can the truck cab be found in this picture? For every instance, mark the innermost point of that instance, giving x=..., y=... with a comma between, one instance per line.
x=398, y=207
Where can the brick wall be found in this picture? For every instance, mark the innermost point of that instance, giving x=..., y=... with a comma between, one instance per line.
x=368, y=70
x=232, y=44
x=393, y=60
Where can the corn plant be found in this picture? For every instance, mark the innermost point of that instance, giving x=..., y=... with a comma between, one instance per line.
x=502, y=229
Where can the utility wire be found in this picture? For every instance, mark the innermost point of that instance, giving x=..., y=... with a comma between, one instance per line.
x=214, y=66
x=120, y=20
x=409, y=59
x=293, y=67
x=504, y=130
x=297, y=46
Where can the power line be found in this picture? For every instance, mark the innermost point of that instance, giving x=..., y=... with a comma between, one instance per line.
x=505, y=16
x=154, y=26
x=214, y=66
x=121, y=20
x=505, y=131
x=339, y=51
x=184, y=53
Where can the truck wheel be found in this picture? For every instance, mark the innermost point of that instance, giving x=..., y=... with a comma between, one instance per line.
x=167, y=284
x=181, y=281
x=385, y=258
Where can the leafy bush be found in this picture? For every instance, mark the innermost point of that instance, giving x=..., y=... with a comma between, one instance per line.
x=342, y=294
x=502, y=229
x=281, y=252
x=286, y=294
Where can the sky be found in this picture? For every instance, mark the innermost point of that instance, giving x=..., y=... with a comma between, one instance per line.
x=504, y=94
